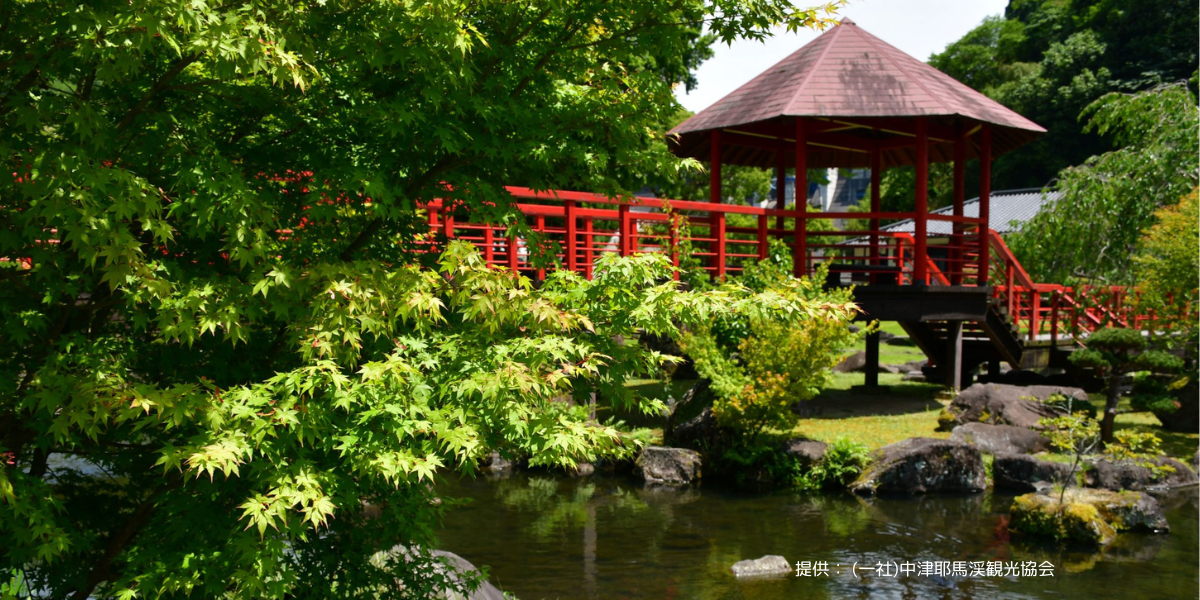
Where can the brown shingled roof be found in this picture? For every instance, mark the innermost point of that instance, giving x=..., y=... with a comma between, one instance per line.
x=857, y=90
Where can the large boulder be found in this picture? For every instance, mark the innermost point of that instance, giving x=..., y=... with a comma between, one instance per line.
x=669, y=466
x=700, y=432
x=807, y=452
x=766, y=566
x=1023, y=473
x=460, y=565
x=1130, y=475
x=856, y=363
x=919, y=465
x=1000, y=404
x=1085, y=515
x=1001, y=439
x=446, y=572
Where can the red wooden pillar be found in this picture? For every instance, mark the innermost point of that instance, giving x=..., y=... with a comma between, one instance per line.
x=876, y=174
x=956, y=241
x=719, y=225
x=714, y=171
x=780, y=183
x=569, y=214
x=800, y=244
x=623, y=234
x=985, y=196
x=489, y=241
x=920, y=220
x=540, y=227
x=675, y=244
x=448, y=225
x=589, y=241
x=717, y=262
x=514, y=254
x=762, y=237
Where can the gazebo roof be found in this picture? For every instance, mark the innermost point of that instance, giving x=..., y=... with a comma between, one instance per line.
x=857, y=91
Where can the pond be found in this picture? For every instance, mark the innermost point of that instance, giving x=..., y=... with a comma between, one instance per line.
x=548, y=537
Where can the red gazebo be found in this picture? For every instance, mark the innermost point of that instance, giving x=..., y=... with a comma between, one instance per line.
x=849, y=99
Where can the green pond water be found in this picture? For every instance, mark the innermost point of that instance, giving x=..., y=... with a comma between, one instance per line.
x=546, y=537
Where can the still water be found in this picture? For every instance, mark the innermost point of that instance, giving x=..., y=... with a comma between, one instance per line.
x=549, y=537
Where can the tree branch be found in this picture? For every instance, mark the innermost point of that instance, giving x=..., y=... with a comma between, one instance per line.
x=158, y=86
x=117, y=542
x=447, y=162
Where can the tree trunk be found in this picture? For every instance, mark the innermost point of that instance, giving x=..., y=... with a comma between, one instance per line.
x=1110, y=409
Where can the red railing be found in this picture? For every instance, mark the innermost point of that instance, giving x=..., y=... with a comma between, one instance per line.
x=572, y=229
x=1050, y=311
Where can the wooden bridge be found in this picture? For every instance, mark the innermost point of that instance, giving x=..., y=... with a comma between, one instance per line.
x=971, y=304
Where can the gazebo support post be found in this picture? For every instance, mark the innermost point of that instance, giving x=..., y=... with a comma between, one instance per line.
x=714, y=196
x=800, y=244
x=780, y=183
x=920, y=269
x=985, y=200
x=954, y=331
x=876, y=175
x=956, y=242
x=714, y=171
x=871, y=369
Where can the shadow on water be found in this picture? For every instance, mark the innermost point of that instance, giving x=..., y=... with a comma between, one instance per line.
x=547, y=537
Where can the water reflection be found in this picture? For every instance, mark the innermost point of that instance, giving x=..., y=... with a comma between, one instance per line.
x=558, y=537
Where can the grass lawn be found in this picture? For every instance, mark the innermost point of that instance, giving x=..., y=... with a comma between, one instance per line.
x=899, y=411
x=889, y=354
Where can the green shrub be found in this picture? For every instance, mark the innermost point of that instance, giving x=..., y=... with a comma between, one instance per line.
x=842, y=463
x=760, y=365
x=779, y=364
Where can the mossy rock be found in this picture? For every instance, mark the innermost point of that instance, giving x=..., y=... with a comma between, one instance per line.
x=1085, y=515
x=947, y=420
x=1044, y=517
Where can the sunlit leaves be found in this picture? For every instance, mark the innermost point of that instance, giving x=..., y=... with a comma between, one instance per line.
x=226, y=327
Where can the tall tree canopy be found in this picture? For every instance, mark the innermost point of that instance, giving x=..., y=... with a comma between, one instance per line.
x=1093, y=231
x=1048, y=59
x=216, y=347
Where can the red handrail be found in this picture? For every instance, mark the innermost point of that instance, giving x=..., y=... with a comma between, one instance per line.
x=572, y=229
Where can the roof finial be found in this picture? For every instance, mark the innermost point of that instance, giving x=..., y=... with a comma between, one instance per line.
x=846, y=21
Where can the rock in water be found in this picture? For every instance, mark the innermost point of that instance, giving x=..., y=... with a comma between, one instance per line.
x=485, y=591
x=1130, y=475
x=762, y=567
x=671, y=466
x=1001, y=439
x=919, y=465
x=450, y=567
x=1041, y=516
x=497, y=465
x=1000, y=404
x=1028, y=474
x=1084, y=515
